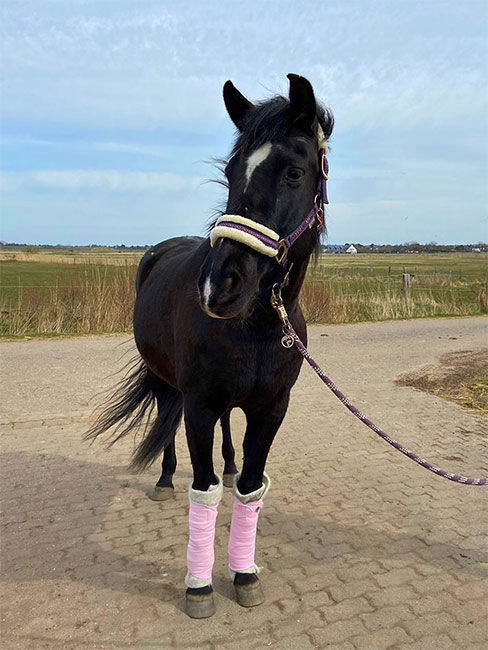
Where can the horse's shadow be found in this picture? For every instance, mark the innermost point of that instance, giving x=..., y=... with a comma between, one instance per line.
x=59, y=517
x=66, y=505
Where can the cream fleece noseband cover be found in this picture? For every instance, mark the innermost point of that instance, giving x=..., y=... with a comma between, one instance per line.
x=248, y=232
x=262, y=239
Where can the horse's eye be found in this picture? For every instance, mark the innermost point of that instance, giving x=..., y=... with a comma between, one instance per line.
x=294, y=174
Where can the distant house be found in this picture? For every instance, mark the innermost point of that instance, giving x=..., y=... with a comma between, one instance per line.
x=352, y=249
x=334, y=248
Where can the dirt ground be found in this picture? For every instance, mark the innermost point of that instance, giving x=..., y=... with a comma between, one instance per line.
x=460, y=376
x=361, y=547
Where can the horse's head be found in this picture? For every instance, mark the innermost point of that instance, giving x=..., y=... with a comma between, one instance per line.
x=272, y=179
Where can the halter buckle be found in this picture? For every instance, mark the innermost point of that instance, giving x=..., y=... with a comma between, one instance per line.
x=319, y=216
x=282, y=252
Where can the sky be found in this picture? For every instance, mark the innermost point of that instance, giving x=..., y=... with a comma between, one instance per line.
x=111, y=110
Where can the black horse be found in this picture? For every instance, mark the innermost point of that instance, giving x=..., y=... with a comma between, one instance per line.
x=208, y=335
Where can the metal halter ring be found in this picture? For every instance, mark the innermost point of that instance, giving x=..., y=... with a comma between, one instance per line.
x=319, y=211
x=322, y=167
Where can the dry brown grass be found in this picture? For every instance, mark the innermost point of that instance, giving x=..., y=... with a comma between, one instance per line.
x=101, y=299
x=109, y=258
x=325, y=303
x=94, y=303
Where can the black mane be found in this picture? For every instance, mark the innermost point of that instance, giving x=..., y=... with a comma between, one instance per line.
x=268, y=121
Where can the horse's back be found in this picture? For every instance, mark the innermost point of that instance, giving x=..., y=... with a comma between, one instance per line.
x=165, y=252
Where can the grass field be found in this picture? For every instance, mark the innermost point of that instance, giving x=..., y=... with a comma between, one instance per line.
x=21, y=278
x=63, y=291
x=351, y=288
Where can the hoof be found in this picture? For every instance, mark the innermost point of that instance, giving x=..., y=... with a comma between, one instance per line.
x=250, y=594
x=199, y=603
x=161, y=493
x=228, y=480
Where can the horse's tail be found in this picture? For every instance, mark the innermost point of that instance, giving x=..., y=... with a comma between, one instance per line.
x=131, y=405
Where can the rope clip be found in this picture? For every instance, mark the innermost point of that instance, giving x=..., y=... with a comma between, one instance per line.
x=287, y=340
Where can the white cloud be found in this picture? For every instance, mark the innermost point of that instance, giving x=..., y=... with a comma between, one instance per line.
x=376, y=64
x=101, y=84
x=108, y=180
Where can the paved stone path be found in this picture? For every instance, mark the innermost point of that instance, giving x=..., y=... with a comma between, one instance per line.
x=361, y=548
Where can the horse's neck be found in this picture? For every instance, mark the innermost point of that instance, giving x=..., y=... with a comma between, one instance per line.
x=290, y=293
x=297, y=277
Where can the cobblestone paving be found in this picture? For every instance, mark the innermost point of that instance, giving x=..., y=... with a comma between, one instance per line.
x=361, y=548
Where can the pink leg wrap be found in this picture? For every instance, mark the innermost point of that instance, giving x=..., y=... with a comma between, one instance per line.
x=242, y=540
x=201, y=520
x=200, y=554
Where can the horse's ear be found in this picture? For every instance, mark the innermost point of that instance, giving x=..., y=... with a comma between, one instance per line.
x=235, y=102
x=303, y=108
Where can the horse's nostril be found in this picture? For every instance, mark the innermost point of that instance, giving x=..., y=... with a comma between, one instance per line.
x=228, y=283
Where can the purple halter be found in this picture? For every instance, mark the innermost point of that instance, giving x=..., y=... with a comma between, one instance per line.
x=267, y=241
x=316, y=215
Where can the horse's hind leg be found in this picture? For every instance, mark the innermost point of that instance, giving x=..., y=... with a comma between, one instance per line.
x=164, y=488
x=228, y=451
x=164, y=393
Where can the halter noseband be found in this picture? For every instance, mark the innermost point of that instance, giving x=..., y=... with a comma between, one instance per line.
x=266, y=241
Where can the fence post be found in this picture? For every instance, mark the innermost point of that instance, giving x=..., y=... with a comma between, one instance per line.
x=405, y=283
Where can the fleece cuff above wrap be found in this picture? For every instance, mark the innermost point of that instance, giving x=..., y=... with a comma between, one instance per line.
x=260, y=493
x=210, y=497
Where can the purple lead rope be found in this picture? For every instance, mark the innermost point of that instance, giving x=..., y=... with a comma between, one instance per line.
x=330, y=384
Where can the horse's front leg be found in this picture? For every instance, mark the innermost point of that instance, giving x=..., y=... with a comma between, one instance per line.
x=205, y=494
x=250, y=488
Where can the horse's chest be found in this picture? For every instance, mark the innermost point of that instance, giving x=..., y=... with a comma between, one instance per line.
x=249, y=372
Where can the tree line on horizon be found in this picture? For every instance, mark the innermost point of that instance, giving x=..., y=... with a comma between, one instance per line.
x=408, y=247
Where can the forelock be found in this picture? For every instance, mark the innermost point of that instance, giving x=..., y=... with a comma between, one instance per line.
x=267, y=121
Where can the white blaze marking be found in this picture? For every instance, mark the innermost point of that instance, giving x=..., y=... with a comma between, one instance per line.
x=255, y=159
x=207, y=290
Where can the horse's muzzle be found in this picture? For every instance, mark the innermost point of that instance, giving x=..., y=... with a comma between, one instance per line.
x=227, y=285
